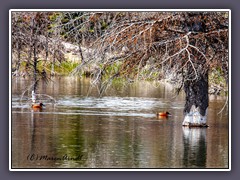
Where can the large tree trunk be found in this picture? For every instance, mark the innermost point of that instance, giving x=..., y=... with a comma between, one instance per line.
x=196, y=106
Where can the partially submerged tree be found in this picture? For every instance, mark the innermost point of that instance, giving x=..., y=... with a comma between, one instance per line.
x=182, y=46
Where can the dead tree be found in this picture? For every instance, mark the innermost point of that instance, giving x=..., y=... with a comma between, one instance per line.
x=186, y=44
x=181, y=46
x=28, y=28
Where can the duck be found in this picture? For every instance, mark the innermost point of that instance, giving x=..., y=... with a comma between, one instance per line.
x=163, y=114
x=37, y=106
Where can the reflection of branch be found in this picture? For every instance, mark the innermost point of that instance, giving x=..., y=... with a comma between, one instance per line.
x=25, y=92
x=35, y=94
x=47, y=96
x=226, y=102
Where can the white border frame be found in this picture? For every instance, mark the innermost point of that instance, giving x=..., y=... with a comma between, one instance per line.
x=123, y=10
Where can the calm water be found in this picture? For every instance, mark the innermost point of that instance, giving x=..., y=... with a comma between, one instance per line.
x=117, y=130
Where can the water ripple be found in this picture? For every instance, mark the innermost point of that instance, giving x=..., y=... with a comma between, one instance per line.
x=104, y=106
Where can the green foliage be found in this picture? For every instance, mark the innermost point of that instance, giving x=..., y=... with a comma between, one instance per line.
x=63, y=68
x=119, y=82
x=54, y=16
x=216, y=76
x=111, y=70
x=104, y=25
x=217, y=82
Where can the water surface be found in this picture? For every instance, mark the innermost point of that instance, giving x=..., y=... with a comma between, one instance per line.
x=117, y=130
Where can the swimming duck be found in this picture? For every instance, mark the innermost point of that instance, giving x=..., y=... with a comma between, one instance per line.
x=163, y=114
x=38, y=106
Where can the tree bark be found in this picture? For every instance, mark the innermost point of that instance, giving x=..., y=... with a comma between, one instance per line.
x=196, y=105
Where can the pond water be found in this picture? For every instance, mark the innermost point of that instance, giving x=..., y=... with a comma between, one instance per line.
x=117, y=130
